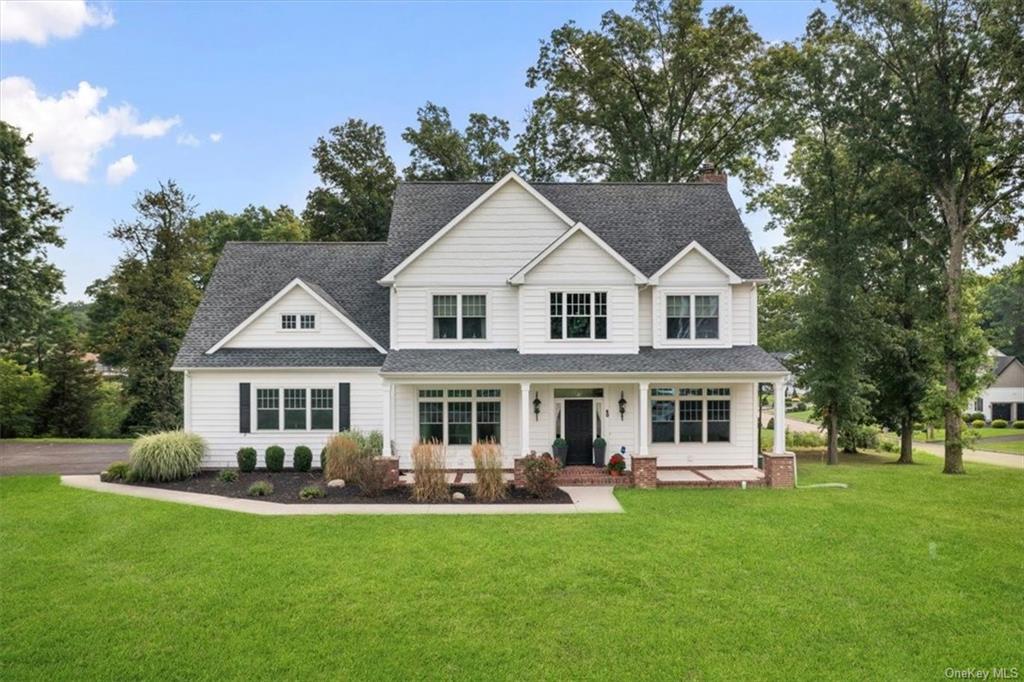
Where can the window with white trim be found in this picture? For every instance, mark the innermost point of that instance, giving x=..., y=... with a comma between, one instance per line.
x=289, y=321
x=691, y=316
x=459, y=316
x=690, y=415
x=307, y=321
x=294, y=409
x=578, y=315
x=459, y=416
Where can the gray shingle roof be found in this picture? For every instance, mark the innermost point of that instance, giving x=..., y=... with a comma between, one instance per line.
x=647, y=223
x=510, y=361
x=288, y=357
x=1002, y=362
x=248, y=274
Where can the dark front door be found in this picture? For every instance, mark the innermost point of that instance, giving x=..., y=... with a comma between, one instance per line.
x=579, y=431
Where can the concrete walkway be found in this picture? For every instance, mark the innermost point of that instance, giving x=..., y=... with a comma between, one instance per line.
x=999, y=459
x=595, y=500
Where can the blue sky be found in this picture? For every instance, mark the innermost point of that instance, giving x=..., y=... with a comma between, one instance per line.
x=268, y=78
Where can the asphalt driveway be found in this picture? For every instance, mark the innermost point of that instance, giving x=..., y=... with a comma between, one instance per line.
x=58, y=458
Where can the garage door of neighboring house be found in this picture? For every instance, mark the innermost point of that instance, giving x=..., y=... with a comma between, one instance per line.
x=1020, y=412
x=1001, y=411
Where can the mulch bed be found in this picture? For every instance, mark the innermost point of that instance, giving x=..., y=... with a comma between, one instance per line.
x=287, y=485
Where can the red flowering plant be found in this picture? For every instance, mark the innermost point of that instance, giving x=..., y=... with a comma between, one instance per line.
x=617, y=464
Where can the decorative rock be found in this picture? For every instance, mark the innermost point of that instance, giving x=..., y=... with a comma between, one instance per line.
x=336, y=483
x=458, y=497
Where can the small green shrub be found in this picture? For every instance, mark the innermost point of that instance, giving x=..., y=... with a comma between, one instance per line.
x=167, y=456
x=540, y=472
x=310, y=492
x=247, y=460
x=974, y=416
x=799, y=439
x=227, y=476
x=1019, y=424
x=801, y=407
x=978, y=423
x=771, y=424
x=261, y=489
x=302, y=458
x=117, y=471
x=274, y=458
x=889, y=446
x=859, y=437
x=999, y=424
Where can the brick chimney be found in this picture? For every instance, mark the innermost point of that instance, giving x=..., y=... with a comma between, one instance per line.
x=709, y=173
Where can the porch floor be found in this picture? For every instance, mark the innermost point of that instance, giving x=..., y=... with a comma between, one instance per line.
x=710, y=477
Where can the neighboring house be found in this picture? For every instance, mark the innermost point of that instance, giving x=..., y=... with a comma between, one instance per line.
x=105, y=371
x=508, y=310
x=1003, y=398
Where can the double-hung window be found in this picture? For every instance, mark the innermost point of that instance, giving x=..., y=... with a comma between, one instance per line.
x=460, y=416
x=578, y=315
x=459, y=316
x=690, y=415
x=294, y=409
x=691, y=317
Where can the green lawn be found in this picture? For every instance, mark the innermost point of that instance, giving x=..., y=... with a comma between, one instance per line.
x=63, y=441
x=939, y=435
x=1013, y=447
x=900, y=576
x=801, y=416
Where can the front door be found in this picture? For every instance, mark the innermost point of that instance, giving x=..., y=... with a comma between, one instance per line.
x=579, y=431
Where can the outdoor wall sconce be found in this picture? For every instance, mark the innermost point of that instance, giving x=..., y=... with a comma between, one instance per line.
x=622, y=405
x=536, y=406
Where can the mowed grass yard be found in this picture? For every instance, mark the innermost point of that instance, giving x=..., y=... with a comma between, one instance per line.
x=903, y=574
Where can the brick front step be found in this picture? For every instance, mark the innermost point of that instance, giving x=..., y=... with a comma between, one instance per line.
x=588, y=475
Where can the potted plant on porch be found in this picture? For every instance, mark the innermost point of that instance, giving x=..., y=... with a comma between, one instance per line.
x=561, y=448
x=617, y=465
x=599, y=446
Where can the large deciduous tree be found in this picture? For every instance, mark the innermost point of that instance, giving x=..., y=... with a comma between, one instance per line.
x=157, y=282
x=936, y=86
x=29, y=223
x=1001, y=303
x=655, y=95
x=441, y=152
x=353, y=202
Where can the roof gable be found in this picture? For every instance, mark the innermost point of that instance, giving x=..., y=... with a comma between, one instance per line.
x=468, y=210
x=646, y=223
x=583, y=232
x=694, y=247
x=314, y=292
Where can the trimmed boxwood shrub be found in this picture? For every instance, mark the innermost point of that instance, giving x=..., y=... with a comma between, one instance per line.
x=302, y=458
x=974, y=416
x=999, y=424
x=978, y=423
x=247, y=460
x=1019, y=424
x=166, y=456
x=274, y=457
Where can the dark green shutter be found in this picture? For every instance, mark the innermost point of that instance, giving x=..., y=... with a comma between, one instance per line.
x=244, y=401
x=344, y=408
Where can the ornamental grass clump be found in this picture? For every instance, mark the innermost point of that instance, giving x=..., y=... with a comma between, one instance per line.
x=428, y=484
x=261, y=489
x=369, y=475
x=490, y=482
x=341, y=454
x=167, y=456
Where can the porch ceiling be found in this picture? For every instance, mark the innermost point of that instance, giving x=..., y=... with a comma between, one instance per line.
x=734, y=360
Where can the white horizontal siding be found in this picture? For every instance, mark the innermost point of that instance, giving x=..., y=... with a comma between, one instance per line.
x=693, y=270
x=535, y=321
x=265, y=331
x=214, y=410
x=490, y=244
x=645, y=316
x=742, y=312
x=414, y=322
x=579, y=261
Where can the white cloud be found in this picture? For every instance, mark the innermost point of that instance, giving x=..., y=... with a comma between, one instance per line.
x=121, y=170
x=216, y=137
x=188, y=140
x=37, y=22
x=69, y=131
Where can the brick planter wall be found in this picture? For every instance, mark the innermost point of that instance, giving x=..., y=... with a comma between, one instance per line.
x=645, y=471
x=518, y=473
x=779, y=470
x=390, y=464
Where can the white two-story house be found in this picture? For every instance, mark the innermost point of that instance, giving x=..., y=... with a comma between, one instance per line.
x=510, y=311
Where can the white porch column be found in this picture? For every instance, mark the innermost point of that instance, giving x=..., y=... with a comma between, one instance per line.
x=524, y=419
x=389, y=392
x=779, y=446
x=644, y=404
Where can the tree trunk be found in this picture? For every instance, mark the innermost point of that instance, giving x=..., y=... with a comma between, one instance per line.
x=906, y=441
x=954, y=281
x=833, y=437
